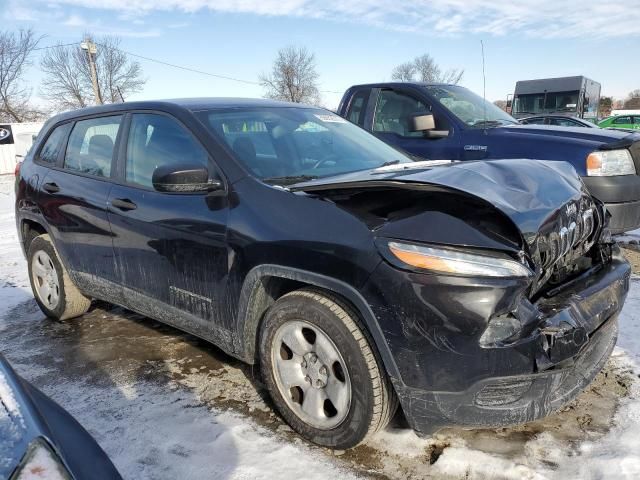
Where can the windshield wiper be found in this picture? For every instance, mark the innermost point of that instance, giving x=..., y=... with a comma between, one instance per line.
x=289, y=179
x=387, y=164
x=487, y=123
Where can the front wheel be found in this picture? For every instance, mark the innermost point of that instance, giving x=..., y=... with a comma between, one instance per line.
x=318, y=364
x=52, y=287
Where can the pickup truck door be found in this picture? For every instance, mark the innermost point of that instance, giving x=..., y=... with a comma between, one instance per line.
x=392, y=112
x=170, y=248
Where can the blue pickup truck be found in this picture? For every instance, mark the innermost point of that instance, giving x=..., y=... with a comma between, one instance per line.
x=437, y=121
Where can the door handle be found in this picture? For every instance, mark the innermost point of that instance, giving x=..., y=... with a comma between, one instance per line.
x=51, y=188
x=123, y=204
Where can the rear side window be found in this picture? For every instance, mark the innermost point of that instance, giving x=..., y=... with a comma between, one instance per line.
x=51, y=148
x=358, y=107
x=157, y=140
x=91, y=144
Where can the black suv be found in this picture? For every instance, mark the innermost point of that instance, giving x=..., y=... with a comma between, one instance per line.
x=474, y=293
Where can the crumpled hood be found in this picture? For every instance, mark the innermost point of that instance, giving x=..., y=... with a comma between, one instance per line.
x=532, y=193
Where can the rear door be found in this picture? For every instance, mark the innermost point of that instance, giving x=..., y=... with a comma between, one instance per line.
x=392, y=123
x=170, y=248
x=73, y=199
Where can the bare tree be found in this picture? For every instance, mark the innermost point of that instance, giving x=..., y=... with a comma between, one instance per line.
x=293, y=77
x=633, y=100
x=67, y=75
x=15, y=51
x=501, y=104
x=425, y=69
x=405, y=72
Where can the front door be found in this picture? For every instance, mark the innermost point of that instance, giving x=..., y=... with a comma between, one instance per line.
x=170, y=248
x=392, y=124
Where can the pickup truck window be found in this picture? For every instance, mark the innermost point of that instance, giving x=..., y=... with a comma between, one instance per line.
x=289, y=145
x=358, y=107
x=469, y=107
x=394, y=111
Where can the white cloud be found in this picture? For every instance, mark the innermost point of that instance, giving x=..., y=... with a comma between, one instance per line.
x=75, y=21
x=531, y=18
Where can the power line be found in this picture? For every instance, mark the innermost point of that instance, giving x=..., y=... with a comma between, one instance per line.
x=172, y=65
x=55, y=46
x=188, y=69
x=193, y=70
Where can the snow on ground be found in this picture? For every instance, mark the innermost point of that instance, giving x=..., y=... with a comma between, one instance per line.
x=184, y=427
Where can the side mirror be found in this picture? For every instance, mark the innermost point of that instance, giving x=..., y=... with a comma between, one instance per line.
x=422, y=123
x=427, y=125
x=183, y=179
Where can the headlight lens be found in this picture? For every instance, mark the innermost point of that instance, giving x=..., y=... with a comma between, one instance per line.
x=443, y=260
x=40, y=462
x=607, y=163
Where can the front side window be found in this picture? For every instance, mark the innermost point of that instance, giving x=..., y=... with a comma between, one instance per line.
x=533, y=121
x=394, y=111
x=563, y=122
x=91, y=144
x=622, y=120
x=157, y=140
x=52, y=147
x=288, y=145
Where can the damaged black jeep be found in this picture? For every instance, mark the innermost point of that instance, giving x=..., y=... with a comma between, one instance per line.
x=475, y=293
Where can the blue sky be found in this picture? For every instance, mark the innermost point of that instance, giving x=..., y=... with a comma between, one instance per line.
x=354, y=41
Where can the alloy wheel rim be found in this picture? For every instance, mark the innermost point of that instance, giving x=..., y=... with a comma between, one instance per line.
x=311, y=374
x=45, y=279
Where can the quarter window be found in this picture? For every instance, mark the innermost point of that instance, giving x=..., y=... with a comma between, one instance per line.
x=394, y=111
x=91, y=144
x=51, y=148
x=157, y=140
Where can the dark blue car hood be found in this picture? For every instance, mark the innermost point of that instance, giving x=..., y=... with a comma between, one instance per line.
x=591, y=136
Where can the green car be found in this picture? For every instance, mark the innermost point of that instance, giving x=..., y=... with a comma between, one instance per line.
x=629, y=122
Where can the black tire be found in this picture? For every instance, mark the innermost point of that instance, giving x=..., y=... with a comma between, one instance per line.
x=71, y=302
x=373, y=400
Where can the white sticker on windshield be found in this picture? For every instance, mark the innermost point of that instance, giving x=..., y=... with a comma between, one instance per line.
x=329, y=118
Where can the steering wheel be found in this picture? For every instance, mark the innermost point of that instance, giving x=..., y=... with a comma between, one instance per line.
x=329, y=158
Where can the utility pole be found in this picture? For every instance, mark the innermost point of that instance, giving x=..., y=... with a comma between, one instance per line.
x=91, y=50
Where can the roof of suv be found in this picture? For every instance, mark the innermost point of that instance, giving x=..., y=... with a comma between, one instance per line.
x=193, y=104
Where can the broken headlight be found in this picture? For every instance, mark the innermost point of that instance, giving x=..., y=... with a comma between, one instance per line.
x=456, y=262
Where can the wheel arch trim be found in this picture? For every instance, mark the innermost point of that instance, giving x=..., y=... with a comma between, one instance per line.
x=255, y=299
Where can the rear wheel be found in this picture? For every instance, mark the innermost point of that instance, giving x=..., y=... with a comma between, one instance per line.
x=52, y=287
x=321, y=371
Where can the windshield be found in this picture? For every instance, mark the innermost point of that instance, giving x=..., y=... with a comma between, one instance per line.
x=469, y=107
x=541, y=103
x=288, y=145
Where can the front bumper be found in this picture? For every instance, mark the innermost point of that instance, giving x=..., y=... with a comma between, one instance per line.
x=446, y=378
x=501, y=401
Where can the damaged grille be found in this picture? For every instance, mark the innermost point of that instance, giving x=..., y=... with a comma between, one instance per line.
x=561, y=246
